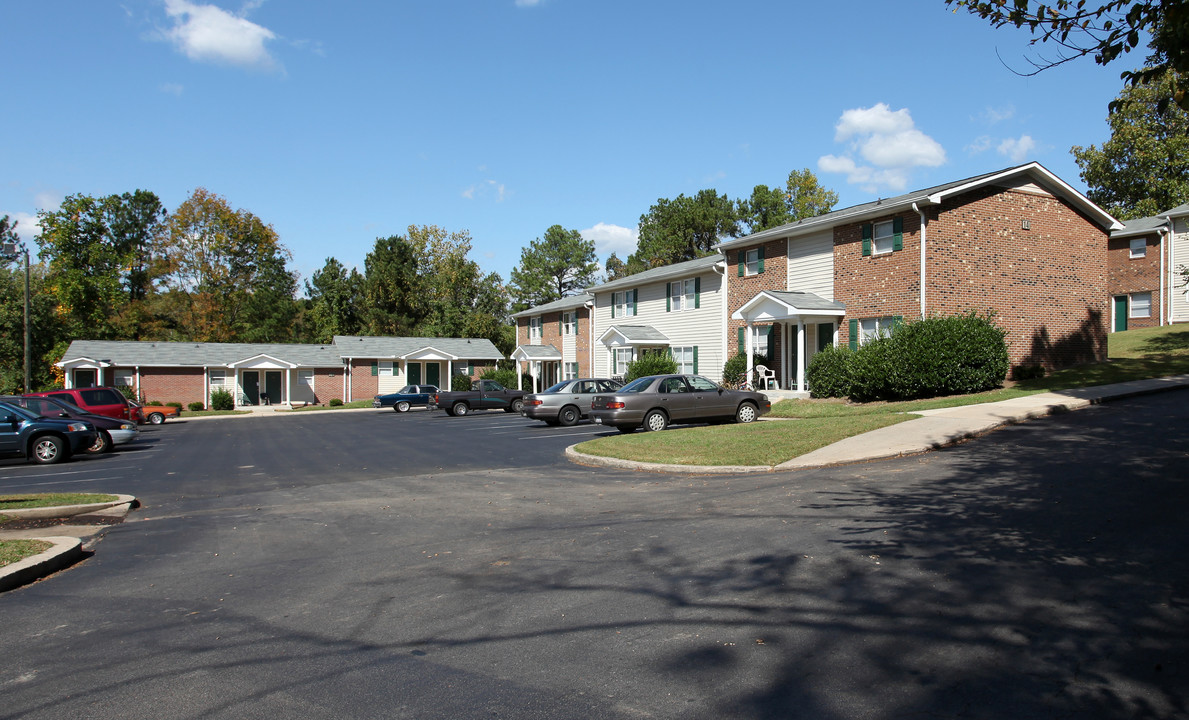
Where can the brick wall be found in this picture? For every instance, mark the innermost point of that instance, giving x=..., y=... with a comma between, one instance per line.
x=363, y=383
x=1128, y=275
x=1046, y=284
x=582, y=342
x=184, y=385
x=742, y=289
x=328, y=384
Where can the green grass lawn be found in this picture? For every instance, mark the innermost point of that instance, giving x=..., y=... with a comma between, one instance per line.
x=12, y=551
x=1132, y=355
x=34, y=500
x=354, y=405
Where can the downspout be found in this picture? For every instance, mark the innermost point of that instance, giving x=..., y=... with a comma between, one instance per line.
x=924, y=228
x=206, y=385
x=347, y=379
x=138, y=393
x=724, y=296
x=590, y=340
x=1163, y=302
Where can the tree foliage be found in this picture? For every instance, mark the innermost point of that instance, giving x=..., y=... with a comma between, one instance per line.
x=1107, y=31
x=685, y=228
x=1143, y=169
x=336, y=302
x=557, y=265
x=803, y=197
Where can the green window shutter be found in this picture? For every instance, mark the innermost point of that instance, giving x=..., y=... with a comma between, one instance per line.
x=771, y=343
x=898, y=233
x=697, y=293
x=375, y=369
x=742, y=341
x=867, y=232
x=760, y=254
x=613, y=305
x=561, y=324
x=669, y=297
x=576, y=316
x=742, y=261
x=695, y=359
x=897, y=321
x=854, y=334
x=635, y=305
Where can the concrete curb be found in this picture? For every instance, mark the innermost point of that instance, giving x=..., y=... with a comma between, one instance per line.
x=933, y=430
x=65, y=552
x=65, y=511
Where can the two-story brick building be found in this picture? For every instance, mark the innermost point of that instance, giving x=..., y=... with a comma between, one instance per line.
x=1144, y=258
x=553, y=341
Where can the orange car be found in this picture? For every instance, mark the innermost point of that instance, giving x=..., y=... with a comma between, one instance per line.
x=153, y=414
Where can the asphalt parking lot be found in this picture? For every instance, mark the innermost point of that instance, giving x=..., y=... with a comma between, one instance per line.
x=363, y=565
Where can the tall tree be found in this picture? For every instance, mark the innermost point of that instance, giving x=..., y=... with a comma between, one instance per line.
x=805, y=197
x=766, y=208
x=1143, y=169
x=217, y=262
x=559, y=264
x=46, y=330
x=617, y=268
x=685, y=228
x=392, y=289
x=336, y=302
x=1106, y=31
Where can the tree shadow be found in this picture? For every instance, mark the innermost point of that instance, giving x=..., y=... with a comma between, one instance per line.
x=1085, y=344
x=1172, y=342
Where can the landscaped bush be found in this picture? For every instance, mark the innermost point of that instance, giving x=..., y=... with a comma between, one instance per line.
x=735, y=368
x=127, y=391
x=156, y=403
x=828, y=373
x=870, y=370
x=335, y=402
x=507, y=378
x=196, y=406
x=462, y=382
x=175, y=404
x=221, y=400
x=650, y=363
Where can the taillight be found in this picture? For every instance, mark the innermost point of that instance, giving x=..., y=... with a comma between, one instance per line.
x=534, y=403
x=616, y=406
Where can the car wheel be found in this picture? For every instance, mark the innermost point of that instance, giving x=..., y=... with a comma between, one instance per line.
x=102, y=443
x=569, y=416
x=626, y=429
x=49, y=449
x=401, y=406
x=516, y=406
x=460, y=409
x=655, y=421
x=746, y=413
x=156, y=418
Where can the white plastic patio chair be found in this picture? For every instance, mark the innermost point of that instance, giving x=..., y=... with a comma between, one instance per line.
x=767, y=378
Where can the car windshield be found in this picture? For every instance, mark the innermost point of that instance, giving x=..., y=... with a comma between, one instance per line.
x=408, y=390
x=69, y=406
x=637, y=385
x=557, y=388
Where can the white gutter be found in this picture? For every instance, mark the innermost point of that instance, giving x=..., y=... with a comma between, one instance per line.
x=924, y=227
x=347, y=379
x=1163, y=300
x=590, y=341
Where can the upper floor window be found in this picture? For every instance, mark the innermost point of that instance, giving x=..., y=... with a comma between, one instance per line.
x=1139, y=247
x=684, y=295
x=534, y=328
x=751, y=262
x=569, y=323
x=883, y=237
x=623, y=304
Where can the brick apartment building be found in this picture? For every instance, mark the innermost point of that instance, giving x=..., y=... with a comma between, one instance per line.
x=1144, y=281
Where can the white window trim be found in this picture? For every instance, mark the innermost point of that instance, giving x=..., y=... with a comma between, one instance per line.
x=882, y=326
x=681, y=295
x=567, y=324
x=888, y=241
x=620, y=305
x=385, y=368
x=570, y=371
x=534, y=328
x=683, y=355
x=1138, y=248
x=751, y=262
x=305, y=374
x=615, y=361
x=1132, y=305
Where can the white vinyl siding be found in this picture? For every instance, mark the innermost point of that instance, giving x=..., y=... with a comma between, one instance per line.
x=702, y=326
x=811, y=264
x=1179, y=249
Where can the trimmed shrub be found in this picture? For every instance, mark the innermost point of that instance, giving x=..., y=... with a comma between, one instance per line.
x=335, y=402
x=155, y=403
x=196, y=406
x=462, y=382
x=507, y=378
x=177, y=405
x=127, y=391
x=870, y=369
x=829, y=373
x=650, y=363
x=735, y=368
x=221, y=400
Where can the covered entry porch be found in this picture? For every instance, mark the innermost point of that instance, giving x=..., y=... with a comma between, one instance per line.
x=803, y=324
x=542, y=363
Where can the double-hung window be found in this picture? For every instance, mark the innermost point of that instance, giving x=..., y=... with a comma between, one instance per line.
x=623, y=304
x=1139, y=247
x=686, y=359
x=883, y=237
x=534, y=328
x=305, y=379
x=570, y=371
x=683, y=295
x=567, y=323
x=866, y=329
x=1141, y=305
x=620, y=358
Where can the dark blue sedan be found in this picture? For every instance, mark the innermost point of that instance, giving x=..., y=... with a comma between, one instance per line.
x=408, y=396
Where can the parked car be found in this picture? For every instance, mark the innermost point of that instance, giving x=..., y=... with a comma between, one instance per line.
x=483, y=395
x=407, y=397
x=153, y=414
x=655, y=401
x=43, y=440
x=99, y=400
x=568, y=401
x=109, y=432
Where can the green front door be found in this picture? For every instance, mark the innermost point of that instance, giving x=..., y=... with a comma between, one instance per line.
x=414, y=372
x=433, y=374
x=1120, y=313
x=272, y=386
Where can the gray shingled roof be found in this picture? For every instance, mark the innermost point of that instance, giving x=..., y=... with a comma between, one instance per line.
x=1140, y=226
x=396, y=347
x=1178, y=211
x=899, y=202
x=188, y=354
x=566, y=303
x=688, y=268
x=804, y=300
x=538, y=352
x=638, y=333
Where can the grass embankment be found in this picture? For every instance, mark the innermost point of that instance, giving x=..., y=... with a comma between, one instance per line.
x=12, y=551
x=813, y=424
x=353, y=405
x=210, y=413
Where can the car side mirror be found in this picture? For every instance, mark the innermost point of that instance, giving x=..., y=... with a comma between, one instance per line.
x=62, y=414
x=720, y=391
x=11, y=419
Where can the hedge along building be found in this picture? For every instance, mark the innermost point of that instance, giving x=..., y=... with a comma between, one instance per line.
x=1145, y=284
x=276, y=373
x=553, y=341
x=1019, y=242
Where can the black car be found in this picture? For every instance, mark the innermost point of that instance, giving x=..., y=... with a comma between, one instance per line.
x=43, y=440
x=109, y=431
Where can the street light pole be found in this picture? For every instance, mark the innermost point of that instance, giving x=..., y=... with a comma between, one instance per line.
x=12, y=250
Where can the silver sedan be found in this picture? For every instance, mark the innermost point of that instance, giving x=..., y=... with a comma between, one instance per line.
x=568, y=401
x=655, y=401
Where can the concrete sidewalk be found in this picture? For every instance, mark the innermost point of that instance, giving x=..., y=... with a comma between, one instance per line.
x=934, y=429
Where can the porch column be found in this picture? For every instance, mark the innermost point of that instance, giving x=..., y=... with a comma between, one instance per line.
x=786, y=344
x=450, y=373
x=519, y=375
x=800, y=354
x=750, y=352
x=288, y=395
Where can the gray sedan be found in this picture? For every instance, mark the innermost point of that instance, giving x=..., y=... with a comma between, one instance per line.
x=655, y=401
x=568, y=401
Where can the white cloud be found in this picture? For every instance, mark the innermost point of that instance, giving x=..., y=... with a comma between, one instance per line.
x=980, y=144
x=889, y=143
x=528, y=3
x=1017, y=149
x=992, y=116
x=210, y=33
x=26, y=227
x=487, y=189
x=612, y=239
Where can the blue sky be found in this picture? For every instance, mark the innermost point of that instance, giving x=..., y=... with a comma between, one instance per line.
x=341, y=122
